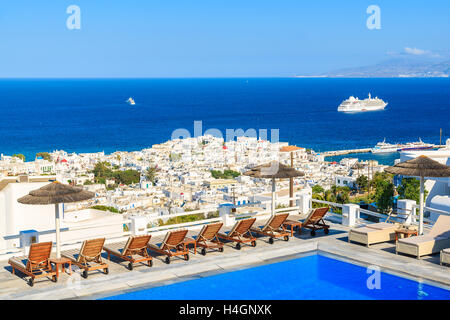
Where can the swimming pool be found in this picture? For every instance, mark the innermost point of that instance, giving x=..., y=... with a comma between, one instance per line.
x=311, y=277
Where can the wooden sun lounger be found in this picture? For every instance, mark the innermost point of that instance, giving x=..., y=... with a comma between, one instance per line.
x=89, y=257
x=172, y=245
x=274, y=228
x=37, y=264
x=208, y=237
x=134, y=250
x=240, y=233
x=315, y=221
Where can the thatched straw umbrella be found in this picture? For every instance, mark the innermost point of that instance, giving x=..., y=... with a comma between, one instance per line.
x=273, y=170
x=56, y=193
x=422, y=167
x=291, y=150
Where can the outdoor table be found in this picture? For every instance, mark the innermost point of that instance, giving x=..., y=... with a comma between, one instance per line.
x=406, y=232
x=61, y=262
x=188, y=241
x=292, y=224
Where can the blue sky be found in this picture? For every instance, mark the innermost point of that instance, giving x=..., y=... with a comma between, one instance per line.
x=214, y=38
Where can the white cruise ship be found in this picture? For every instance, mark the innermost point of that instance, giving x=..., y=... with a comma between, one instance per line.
x=384, y=147
x=353, y=104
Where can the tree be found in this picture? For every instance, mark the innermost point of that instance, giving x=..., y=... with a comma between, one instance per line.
x=343, y=195
x=410, y=189
x=227, y=174
x=174, y=157
x=317, y=189
x=102, y=171
x=127, y=177
x=379, y=177
x=362, y=182
x=150, y=174
x=43, y=155
x=384, y=195
x=317, y=196
x=105, y=208
x=20, y=156
x=329, y=196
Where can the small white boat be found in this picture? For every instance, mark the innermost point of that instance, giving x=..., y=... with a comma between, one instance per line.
x=130, y=101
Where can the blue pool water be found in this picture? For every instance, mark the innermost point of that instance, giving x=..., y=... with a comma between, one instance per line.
x=310, y=277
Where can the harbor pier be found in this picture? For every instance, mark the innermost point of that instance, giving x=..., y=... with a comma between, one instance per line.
x=341, y=152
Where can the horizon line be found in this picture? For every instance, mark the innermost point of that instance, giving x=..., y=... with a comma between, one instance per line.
x=213, y=77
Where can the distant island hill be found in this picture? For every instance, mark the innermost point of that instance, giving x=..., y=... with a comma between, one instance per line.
x=394, y=68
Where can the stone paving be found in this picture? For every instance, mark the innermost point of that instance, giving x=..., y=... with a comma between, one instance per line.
x=120, y=279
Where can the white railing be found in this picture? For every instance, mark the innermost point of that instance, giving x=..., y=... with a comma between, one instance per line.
x=183, y=225
x=333, y=204
x=64, y=230
x=433, y=210
x=263, y=212
x=415, y=216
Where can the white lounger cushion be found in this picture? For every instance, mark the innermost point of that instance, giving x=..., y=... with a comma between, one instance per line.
x=416, y=241
x=368, y=236
x=382, y=226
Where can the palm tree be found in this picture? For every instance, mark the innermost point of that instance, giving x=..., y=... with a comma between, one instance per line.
x=150, y=174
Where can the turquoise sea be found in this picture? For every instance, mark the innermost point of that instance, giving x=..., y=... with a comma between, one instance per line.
x=89, y=115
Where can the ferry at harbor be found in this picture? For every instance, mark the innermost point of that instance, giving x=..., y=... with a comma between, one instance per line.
x=130, y=101
x=353, y=104
x=420, y=145
x=384, y=147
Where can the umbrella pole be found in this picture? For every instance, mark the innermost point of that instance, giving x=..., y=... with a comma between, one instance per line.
x=273, y=196
x=421, y=206
x=58, y=235
x=291, y=183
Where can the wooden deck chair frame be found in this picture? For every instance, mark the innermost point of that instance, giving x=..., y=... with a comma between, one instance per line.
x=90, y=257
x=38, y=263
x=172, y=245
x=274, y=228
x=315, y=221
x=240, y=233
x=135, y=246
x=208, y=237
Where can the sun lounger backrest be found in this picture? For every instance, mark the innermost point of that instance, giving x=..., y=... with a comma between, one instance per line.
x=137, y=242
x=244, y=225
x=268, y=223
x=316, y=215
x=234, y=227
x=276, y=221
x=40, y=252
x=174, y=238
x=209, y=231
x=441, y=227
x=127, y=244
x=91, y=248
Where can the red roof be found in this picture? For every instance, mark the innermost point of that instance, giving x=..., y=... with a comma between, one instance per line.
x=224, y=147
x=63, y=160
